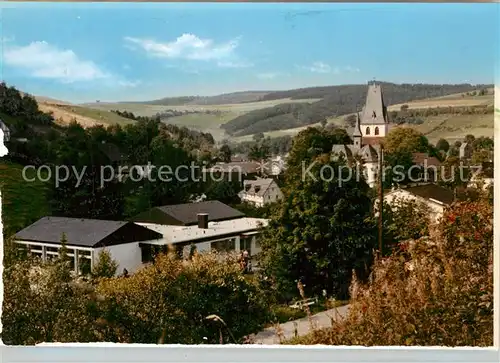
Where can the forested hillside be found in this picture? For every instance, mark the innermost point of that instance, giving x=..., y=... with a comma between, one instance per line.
x=36, y=140
x=336, y=101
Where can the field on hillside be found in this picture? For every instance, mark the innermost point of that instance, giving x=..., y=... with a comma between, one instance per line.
x=337, y=121
x=455, y=127
x=449, y=127
x=455, y=100
x=23, y=202
x=85, y=116
x=150, y=110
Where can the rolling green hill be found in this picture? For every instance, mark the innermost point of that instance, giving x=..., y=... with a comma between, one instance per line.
x=23, y=202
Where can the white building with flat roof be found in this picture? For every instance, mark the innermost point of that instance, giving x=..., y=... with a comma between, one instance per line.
x=225, y=236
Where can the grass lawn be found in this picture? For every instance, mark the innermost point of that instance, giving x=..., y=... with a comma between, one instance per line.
x=23, y=202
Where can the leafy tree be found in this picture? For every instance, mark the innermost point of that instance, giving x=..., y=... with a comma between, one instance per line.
x=320, y=233
x=455, y=173
x=479, y=157
x=258, y=136
x=405, y=139
x=105, y=265
x=470, y=138
x=443, y=145
x=405, y=219
x=309, y=144
x=223, y=191
x=259, y=152
x=400, y=169
x=483, y=143
x=225, y=153
x=42, y=303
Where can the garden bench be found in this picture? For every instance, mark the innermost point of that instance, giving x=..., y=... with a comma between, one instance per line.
x=307, y=302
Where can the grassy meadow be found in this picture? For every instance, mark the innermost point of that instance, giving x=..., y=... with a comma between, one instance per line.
x=24, y=202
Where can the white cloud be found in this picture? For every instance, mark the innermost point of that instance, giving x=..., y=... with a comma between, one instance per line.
x=191, y=47
x=321, y=67
x=234, y=64
x=351, y=69
x=43, y=60
x=268, y=75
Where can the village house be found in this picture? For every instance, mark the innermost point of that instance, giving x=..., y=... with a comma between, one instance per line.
x=276, y=165
x=482, y=177
x=6, y=131
x=233, y=171
x=435, y=197
x=260, y=192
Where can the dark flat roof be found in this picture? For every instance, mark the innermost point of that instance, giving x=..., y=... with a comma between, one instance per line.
x=188, y=213
x=433, y=191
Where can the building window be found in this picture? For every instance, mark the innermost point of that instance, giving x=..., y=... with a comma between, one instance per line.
x=245, y=243
x=148, y=253
x=368, y=131
x=376, y=131
x=225, y=245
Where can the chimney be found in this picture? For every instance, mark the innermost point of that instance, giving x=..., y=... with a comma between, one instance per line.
x=203, y=220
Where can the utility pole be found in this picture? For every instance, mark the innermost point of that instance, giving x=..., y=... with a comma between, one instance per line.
x=381, y=202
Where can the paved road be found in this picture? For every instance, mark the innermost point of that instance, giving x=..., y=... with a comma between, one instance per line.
x=303, y=326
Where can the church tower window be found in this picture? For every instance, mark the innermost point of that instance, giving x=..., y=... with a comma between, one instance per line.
x=374, y=114
x=376, y=131
x=368, y=131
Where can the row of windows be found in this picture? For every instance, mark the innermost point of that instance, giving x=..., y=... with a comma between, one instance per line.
x=84, y=257
x=149, y=252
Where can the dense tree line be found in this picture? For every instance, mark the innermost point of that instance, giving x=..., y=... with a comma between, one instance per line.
x=223, y=99
x=414, y=116
x=97, y=153
x=393, y=93
x=335, y=101
x=277, y=145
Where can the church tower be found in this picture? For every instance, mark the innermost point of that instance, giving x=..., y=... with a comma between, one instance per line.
x=374, y=122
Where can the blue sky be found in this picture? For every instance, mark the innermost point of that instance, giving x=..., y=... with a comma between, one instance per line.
x=83, y=52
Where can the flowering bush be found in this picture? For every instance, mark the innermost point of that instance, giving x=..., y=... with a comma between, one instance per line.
x=437, y=290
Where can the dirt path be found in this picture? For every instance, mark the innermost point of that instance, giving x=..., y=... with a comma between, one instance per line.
x=302, y=326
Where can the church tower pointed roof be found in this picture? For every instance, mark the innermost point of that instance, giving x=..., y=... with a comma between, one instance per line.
x=375, y=110
x=357, y=127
